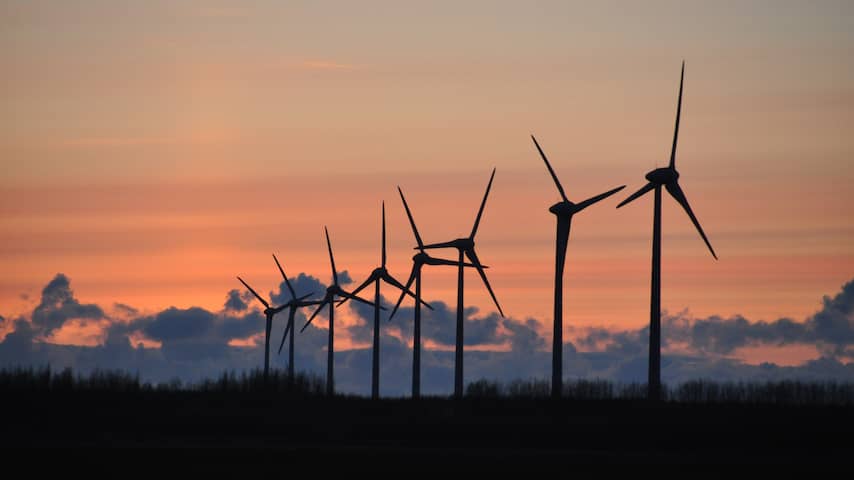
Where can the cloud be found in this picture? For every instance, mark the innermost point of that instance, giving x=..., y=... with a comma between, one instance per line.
x=235, y=301
x=303, y=285
x=58, y=305
x=439, y=324
x=125, y=310
x=178, y=324
x=195, y=343
x=831, y=330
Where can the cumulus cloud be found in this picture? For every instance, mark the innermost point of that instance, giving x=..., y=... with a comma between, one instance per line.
x=439, y=325
x=831, y=330
x=196, y=343
x=303, y=285
x=58, y=305
x=236, y=301
x=125, y=310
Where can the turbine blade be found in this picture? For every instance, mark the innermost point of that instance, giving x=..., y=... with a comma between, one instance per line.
x=482, y=205
x=358, y=299
x=453, y=263
x=450, y=244
x=331, y=258
x=287, y=282
x=300, y=299
x=473, y=257
x=551, y=170
x=403, y=291
x=590, y=201
x=384, y=255
x=561, y=242
x=266, y=305
x=677, y=193
x=319, y=308
x=287, y=329
x=411, y=220
x=643, y=190
x=678, y=115
x=361, y=287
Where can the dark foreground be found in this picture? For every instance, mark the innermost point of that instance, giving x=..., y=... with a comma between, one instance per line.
x=483, y=432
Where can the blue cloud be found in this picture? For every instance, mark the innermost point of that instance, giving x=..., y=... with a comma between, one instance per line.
x=58, y=305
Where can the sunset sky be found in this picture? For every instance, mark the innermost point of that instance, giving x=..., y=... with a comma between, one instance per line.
x=151, y=151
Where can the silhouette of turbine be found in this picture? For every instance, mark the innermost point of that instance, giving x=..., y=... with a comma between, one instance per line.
x=294, y=304
x=667, y=177
x=269, y=312
x=465, y=247
x=332, y=291
x=418, y=260
x=380, y=274
x=563, y=210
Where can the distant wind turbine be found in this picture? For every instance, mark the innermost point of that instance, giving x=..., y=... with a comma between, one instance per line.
x=380, y=274
x=292, y=305
x=269, y=313
x=667, y=177
x=418, y=261
x=465, y=246
x=332, y=291
x=563, y=210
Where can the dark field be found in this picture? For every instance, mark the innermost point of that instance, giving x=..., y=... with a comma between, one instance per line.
x=494, y=427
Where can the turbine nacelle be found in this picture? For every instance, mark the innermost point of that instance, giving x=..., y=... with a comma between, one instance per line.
x=663, y=176
x=421, y=258
x=378, y=272
x=563, y=208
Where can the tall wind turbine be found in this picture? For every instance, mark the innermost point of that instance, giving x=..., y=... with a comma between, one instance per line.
x=418, y=260
x=465, y=247
x=380, y=274
x=563, y=210
x=332, y=291
x=269, y=312
x=667, y=177
x=292, y=305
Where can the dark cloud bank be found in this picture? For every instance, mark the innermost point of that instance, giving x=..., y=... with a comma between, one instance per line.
x=195, y=343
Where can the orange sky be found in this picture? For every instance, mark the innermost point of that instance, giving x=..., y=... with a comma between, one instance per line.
x=153, y=151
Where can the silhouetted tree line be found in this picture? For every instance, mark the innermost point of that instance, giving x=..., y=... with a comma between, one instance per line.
x=784, y=392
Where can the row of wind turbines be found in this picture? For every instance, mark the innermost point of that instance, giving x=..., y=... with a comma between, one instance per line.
x=563, y=210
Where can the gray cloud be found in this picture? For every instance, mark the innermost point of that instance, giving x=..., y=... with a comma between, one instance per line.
x=178, y=324
x=303, y=285
x=125, y=309
x=831, y=330
x=235, y=301
x=195, y=344
x=439, y=325
x=58, y=305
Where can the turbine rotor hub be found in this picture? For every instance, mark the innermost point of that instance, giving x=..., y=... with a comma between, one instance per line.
x=563, y=208
x=662, y=176
x=464, y=243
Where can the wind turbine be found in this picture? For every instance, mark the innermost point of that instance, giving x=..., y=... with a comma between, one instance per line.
x=418, y=261
x=269, y=312
x=332, y=291
x=292, y=305
x=563, y=210
x=465, y=247
x=380, y=274
x=668, y=177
